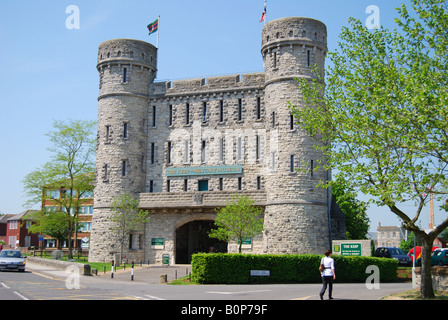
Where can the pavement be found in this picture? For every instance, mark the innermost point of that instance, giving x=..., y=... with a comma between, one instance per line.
x=149, y=274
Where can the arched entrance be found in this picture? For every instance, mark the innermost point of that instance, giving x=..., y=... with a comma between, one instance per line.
x=193, y=237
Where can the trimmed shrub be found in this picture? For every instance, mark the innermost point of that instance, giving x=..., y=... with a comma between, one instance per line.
x=226, y=268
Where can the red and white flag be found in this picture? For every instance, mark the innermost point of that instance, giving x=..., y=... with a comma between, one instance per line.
x=263, y=15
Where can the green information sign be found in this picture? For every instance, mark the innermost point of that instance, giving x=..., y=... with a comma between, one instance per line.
x=203, y=171
x=157, y=241
x=350, y=249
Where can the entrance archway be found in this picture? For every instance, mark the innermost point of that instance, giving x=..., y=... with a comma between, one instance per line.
x=193, y=237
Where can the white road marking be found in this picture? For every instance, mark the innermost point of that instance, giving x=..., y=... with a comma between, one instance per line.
x=236, y=292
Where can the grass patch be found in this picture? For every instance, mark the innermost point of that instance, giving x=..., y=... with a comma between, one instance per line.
x=183, y=281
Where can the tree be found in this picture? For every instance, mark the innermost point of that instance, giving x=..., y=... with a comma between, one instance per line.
x=384, y=114
x=355, y=211
x=69, y=172
x=52, y=224
x=237, y=221
x=127, y=217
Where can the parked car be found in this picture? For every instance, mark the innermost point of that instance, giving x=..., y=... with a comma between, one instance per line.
x=418, y=251
x=12, y=260
x=439, y=257
x=394, y=253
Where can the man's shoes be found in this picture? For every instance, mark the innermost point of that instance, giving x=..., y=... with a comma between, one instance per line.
x=321, y=297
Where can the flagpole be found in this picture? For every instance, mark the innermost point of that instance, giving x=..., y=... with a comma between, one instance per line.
x=158, y=30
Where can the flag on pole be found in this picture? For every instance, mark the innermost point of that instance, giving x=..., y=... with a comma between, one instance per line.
x=153, y=27
x=263, y=15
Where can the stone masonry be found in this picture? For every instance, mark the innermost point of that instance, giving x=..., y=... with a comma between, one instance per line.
x=185, y=147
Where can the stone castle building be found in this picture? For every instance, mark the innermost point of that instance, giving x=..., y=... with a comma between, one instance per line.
x=185, y=147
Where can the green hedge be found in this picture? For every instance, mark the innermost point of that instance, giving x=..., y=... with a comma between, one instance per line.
x=226, y=268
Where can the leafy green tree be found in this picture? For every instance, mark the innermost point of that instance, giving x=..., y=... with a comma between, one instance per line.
x=237, y=221
x=69, y=172
x=127, y=217
x=355, y=211
x=384, y=114
x=53, y=224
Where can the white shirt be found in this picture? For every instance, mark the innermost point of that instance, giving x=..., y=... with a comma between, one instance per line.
x=329, y=266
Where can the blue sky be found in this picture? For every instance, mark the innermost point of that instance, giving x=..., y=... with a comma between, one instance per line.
x=48, y=72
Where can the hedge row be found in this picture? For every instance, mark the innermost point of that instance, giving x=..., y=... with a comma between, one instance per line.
x=226, y=268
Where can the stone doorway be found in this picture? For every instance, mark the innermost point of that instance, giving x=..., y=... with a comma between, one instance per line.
x=193, y=237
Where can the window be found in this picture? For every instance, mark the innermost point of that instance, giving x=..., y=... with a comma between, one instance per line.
x=124, y=168
x=308, y=57
x=169, y=152
x=240, y=109
x=204, y=111
x=291, y=121
x=203, y=185
x=125, y=74
x=311, y=168
x=221, y=111
x=154, y=116
x=151, y=186
x=125, y=130
x=273, y=119
x=153, y=152
x=221, y=184
x=275, y=60
x=258, y=108
x=185, y=184
x=108, y=136
x=106, y=172
x=171, y=116
x=257, y=147
x=258, y=183
x=240, y=183
x=86, y=210
x=291, y=163
x=168, y=185
x=187, y=114
x=203, y=147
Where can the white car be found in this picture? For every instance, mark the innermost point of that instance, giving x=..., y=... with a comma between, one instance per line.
x=12, y=260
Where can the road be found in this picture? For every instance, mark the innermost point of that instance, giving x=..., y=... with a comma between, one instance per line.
x=42, y=283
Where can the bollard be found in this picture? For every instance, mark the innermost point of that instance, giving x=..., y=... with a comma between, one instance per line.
x=132, y=271
x=163, y=278
x=112, y=270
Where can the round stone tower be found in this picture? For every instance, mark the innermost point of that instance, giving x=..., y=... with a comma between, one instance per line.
x=126, y=69
x=296, y=218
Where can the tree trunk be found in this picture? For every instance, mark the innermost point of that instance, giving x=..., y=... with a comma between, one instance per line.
x=426, y=288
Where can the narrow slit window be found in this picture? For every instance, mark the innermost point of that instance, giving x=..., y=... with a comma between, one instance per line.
x=312, y=168
x=125, y=74
x=240, y=109
x=308, y=57
x=169, y=152
x=258, y=108
x=125, y=130
x=153, y=152
x=204, y=111
x=291, y=165
x=187, y=114
x=124, y=168
x=221, y=111
x=171, y=115
x=154, y=119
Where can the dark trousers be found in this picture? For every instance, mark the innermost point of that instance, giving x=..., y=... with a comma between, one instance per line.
x=327, y=281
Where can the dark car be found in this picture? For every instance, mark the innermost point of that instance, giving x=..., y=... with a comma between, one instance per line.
x=394, y=253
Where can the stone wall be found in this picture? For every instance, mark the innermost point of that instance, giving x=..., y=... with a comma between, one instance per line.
x=439, y=278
